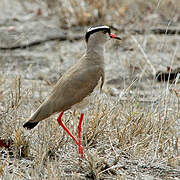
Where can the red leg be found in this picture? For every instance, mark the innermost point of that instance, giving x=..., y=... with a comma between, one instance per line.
x=65, y=128
x=79, y=132
x=79, y=135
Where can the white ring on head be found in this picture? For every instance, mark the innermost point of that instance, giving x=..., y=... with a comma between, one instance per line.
x=97, y=27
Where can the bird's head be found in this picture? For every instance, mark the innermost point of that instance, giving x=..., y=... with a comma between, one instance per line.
x=99, y=34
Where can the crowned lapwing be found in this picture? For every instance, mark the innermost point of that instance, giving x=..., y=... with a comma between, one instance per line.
x=77, y=83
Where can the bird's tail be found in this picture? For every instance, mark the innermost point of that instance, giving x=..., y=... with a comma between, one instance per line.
x=43, y=112
x=33, y=120
x=30, y=125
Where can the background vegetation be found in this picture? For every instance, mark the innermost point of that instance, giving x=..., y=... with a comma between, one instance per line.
x=131, y=130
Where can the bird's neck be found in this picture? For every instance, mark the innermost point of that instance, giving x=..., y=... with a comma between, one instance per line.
x=95, y=49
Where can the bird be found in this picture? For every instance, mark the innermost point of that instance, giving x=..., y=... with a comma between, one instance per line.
x=77, y=83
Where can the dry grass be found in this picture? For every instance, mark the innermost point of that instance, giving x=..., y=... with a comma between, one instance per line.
x=117, y=132
x=122, y=137
x=123, y=12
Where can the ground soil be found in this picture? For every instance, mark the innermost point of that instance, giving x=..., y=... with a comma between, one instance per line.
x=37, y=50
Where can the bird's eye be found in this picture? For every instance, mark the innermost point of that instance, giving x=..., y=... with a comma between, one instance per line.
x=104, y=31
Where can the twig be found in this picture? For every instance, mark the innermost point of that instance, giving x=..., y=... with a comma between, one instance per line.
x=145, y=55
